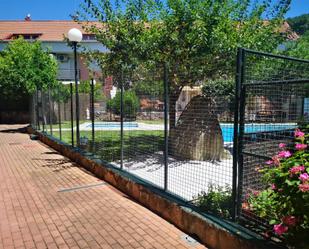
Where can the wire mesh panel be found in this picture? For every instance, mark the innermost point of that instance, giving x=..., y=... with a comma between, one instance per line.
x=32, y=111
x=105, y=122
x=143, y=124
x=84, y=114
x=39, y=110
x=200, y=161
x=272, y=105
x=56, y=112
x=45, y=108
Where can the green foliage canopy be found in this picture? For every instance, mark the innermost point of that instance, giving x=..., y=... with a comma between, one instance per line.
x=25, y=66
x=85, y=87
x=299, y=24
x=299, y=48
x=149, y=88
x=197, y=39
x=188, y=34
x=130, y=104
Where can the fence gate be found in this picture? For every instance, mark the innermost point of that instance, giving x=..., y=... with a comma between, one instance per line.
x=273, y=100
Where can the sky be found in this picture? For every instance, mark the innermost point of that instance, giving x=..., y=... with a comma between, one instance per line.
x=61, y=9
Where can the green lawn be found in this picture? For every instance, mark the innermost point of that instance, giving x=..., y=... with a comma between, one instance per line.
x=67, y=124
x=107, y=143
x=159, y=121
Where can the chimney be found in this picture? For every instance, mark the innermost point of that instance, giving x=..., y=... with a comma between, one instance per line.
x=28, y=17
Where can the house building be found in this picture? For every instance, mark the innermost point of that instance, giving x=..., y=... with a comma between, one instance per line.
x=52, y=35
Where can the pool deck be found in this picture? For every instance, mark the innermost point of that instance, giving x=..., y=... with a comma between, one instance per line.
x=47, y=201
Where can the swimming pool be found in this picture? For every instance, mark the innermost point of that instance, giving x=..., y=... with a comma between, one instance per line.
x=227, y=129
x=113, y=125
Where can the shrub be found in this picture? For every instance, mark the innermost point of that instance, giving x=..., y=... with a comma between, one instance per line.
x=217, y=200
x=130, y=104
x=286, y=200
x=220, y=88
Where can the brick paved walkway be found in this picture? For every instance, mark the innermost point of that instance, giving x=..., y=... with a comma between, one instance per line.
x=34, y=214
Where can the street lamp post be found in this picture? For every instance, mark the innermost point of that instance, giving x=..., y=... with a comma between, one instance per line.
x=75, y=36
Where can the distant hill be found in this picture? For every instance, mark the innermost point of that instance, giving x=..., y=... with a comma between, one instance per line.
x=299, y=24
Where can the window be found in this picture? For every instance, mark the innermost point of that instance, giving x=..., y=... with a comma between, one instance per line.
x=89, y=37
x=26, y=36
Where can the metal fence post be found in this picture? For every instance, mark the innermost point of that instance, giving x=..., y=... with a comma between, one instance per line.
x=50, y=113
x=166, y=110
x=72, y=117
x=236, y=140
x=92, y=110
x=37, y=110
x=121, y=121
x=43, y=111
x=59, y=113
x=76, y=97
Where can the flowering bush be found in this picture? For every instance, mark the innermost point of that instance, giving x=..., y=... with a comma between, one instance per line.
x=286, y=200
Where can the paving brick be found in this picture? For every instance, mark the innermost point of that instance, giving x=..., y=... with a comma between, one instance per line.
x=35, y=215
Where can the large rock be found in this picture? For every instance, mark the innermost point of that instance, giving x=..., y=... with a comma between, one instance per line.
x=197, y=135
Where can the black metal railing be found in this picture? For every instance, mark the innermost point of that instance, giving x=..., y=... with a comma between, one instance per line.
x=176, y=134
x=271, y=95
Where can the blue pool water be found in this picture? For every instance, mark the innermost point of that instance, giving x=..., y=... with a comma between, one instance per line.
x=228, y=129
x=114, y=125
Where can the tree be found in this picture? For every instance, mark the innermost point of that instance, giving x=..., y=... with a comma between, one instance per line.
x=130, y=104
x=85, y=87
x=299, y=24
x=25, y=66
x=149, y=88
x=197, y=39
x=300, y=47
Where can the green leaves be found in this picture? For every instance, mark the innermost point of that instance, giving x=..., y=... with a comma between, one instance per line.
x=300, y=47
x=299, y=24
x=217, y=200
x=191, y=35
x=130, y=104
x=25, y=66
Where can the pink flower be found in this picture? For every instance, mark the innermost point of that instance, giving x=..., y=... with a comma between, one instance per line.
x=296, y=169
x=280, y=229
x=301, y=146
x=304, y=187
x=299, y=133
x=289, y=220
x=269, y=162
x=273, y=187
x=284, y=154
x=282, y=145
x=276, y=160
x=304, y=177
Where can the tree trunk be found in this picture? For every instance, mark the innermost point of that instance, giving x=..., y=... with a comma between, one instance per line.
x=173, y=97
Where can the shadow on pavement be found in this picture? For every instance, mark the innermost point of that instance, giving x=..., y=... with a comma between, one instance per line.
x=15, y=130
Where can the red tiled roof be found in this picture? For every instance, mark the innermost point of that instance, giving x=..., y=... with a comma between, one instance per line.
x=55, y=30
x=49, y=30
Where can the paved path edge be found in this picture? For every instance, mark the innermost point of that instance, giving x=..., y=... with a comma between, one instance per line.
x=213, y=232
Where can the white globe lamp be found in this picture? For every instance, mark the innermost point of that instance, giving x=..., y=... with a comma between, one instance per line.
x=75, y=35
